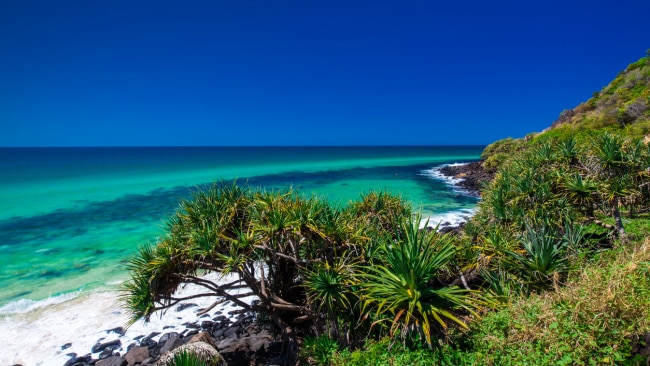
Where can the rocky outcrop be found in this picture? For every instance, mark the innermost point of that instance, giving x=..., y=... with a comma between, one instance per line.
x=472, y=175
x=203, y=350
x=238, y=342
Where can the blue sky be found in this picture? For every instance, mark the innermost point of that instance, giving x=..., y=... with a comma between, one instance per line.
x=114, y=73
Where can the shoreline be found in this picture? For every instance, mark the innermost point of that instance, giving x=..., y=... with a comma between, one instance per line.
x=75, y=328
x=83, y=322
x=470, y=176
x=465, y=179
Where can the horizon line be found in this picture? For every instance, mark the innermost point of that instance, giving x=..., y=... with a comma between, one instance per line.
x=224, y=146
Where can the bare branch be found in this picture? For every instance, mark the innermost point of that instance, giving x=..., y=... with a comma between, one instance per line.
x=281, y=255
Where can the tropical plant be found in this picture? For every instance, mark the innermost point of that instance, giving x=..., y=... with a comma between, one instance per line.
x=319, y=350
x=403, y=291
x=580, y=191
x=544, y=258
x=293, y=253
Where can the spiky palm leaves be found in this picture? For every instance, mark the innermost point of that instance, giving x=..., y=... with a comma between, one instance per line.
x=379, y=212
x=579, y=191
x=402, y=290
x=619, y=164
x=544, y=258
x=273, y=242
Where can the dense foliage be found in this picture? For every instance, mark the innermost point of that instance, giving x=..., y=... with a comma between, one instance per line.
x=350, y=273
x=531, y=279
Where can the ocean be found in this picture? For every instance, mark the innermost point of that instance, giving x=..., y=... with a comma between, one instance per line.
x=70, y=216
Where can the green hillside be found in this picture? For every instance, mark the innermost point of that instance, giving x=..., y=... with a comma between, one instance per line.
x=623, y=104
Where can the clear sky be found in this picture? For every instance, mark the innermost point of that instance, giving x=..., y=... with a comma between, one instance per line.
x=303, y=72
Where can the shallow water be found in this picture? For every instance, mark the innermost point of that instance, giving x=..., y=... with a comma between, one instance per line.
x=69, y=217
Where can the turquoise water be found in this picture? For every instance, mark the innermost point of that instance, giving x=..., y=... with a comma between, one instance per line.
x=70, y=216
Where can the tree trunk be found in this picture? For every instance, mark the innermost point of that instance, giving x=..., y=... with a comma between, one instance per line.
x=617, y=219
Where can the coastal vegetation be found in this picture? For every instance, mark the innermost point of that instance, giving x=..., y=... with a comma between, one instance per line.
x=554, y=268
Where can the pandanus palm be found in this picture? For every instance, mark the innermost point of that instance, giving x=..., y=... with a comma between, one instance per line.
x=568, y=150
x=580, y=191
x=543, y=260
x=614, y=170
x=401, y=291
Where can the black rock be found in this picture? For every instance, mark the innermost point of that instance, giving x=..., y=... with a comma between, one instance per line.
x=112, y=345
x=112, y=361
x=74, y=360
x=232, y=331
x=66, y=346
x=78, y=360
x=473, y=176
x=105, y=354
x=170, y=344
x=153, y=334
x=218, y=333
x=182, y=307
x=448, y=229
x=206, y=324
x=220, y=318
x=165, y=337
x=192, y=326
x=168, y=327
x=148, y=342
x=118, y=330
x=190, y=333
x=138, y=337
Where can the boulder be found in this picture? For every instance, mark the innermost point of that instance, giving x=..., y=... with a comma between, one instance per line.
x=148, y=342
x=237, y=353
x=112, y=361
x=112, y=345
x=203, y=350
x=74, y=360
x=137, y=355
x=232, y=332
x=105, y=354
x=260, y=345
x=165, y=337
x=225, y=343
x=218, y=333
x=203, y=337
x=117, y=330
x=171, y=344
x=191, y=325
x=189, y=334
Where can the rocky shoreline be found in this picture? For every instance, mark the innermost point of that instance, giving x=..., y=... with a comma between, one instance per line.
x=238, y=338
x=472, y=176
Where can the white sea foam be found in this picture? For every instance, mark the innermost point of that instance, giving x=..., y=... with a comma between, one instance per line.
x=452, y=182
x=32, y=334
x=452, y=218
